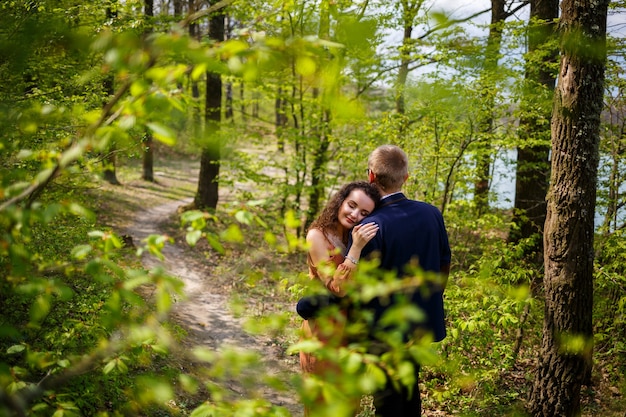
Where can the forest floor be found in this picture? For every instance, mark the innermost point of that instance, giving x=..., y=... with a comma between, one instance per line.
x=138, y=209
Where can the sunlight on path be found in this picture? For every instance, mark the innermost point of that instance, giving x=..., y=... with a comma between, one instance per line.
x=204, y=314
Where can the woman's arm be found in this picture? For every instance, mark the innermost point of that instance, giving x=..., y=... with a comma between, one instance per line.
x=361, y=234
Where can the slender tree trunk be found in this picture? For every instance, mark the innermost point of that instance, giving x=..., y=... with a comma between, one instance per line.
x=403, y=71
x=617, y=149
x=280, y=111
x=208, y=191
x=178, y=8
x=320, y=163
x=485, y=123
x=242, y=99
x=320, y=131
x=148, y=152
x=109, y=173
x=565, y=355
x=229, y=112
x=409, y=11
x=194, y=32
x=533, y=167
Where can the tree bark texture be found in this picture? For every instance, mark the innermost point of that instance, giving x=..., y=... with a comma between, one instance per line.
x=569, y=228
x=148, y=158
x=208, y=190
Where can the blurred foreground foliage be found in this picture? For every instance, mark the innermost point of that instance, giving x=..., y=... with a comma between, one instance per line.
x=84, y=327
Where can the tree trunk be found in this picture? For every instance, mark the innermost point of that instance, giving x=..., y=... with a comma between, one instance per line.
x=485, y=122
x=242, y=100
x=280, y=111
x=208, y=191
x=403, y=71
x=320, y=163
x=194, y=33
x=148, y=157
x=569, y=229
x=409, y=12
x=109, y=173
x=533, y=167
x=320, y=131
x=178, y=8
x=148, y=152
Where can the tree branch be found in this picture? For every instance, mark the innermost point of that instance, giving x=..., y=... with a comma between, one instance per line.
x=201, y=13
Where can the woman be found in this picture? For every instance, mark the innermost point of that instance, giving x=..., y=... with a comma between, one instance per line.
x=327, y=238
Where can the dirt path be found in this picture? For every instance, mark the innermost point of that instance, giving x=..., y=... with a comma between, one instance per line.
x=205, y=314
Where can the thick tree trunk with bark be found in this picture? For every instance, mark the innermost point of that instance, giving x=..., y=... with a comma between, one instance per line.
x=569, y=229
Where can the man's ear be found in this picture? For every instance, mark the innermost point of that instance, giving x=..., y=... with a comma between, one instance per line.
x=406, y=177
x=371, y=177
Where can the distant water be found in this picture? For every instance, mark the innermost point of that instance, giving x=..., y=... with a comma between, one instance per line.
x=503, y=185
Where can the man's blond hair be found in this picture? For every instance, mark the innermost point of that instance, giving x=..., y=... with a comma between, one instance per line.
x=390, y=166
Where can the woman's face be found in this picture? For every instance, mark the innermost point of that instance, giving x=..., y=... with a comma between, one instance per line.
x=355, y=208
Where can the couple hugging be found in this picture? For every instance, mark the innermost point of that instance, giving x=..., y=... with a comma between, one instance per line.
x=375, y=219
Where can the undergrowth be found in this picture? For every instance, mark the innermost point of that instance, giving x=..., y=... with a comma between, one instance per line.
x=483, y=368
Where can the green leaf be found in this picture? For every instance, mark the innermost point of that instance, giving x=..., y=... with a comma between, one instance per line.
x=244, y=217
x=40, y=308
x=138, y=87
x=291, y=221
x=215, y=243
x=270, y=238
x=80, y=252
x=163, y=133
x=193, y=236
x=109, y=367
x=163, y=300
x=81, y=211
x=232, y=234
x=198, y=71
x=305, y=66
x=15, y=349
x=204, y=354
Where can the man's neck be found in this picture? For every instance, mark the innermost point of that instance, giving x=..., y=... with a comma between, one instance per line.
x=391, y=193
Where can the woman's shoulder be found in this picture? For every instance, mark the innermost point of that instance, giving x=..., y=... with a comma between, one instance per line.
x=317, y=237
x=315, y=234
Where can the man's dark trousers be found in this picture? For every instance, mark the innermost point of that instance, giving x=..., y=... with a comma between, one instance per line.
x=402, y=402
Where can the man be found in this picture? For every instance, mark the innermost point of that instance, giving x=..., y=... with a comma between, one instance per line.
x=411, y=237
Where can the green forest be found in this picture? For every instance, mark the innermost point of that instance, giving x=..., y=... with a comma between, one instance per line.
x=160, y=164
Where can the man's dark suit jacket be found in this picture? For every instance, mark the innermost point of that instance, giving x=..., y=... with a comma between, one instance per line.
x=411, y=231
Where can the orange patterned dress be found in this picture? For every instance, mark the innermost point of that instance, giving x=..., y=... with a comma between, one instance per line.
x=311, y=328
x=332, y=331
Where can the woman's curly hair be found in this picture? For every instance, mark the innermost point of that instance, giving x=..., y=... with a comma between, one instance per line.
x=329, y=217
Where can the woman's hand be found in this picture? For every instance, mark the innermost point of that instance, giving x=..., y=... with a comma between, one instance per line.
x=363, y=233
